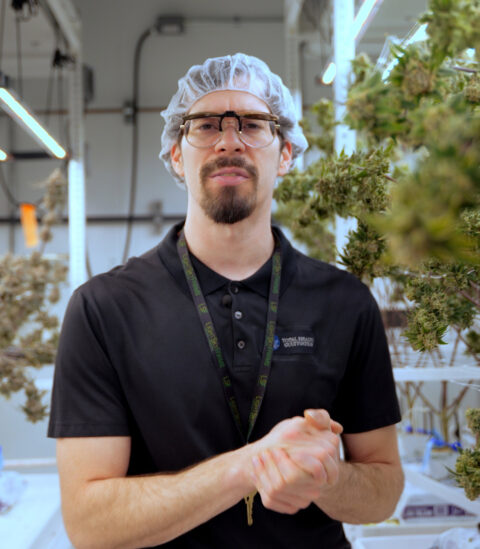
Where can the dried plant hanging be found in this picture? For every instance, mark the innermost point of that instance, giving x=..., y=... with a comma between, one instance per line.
x=29, y=285
x=467, y=468
x=413, y=188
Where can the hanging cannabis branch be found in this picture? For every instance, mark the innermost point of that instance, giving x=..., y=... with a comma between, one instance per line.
x=412, y=186
x=467, y=467
x=29, y=285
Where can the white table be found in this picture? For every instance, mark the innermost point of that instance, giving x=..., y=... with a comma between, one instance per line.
x=35, y=521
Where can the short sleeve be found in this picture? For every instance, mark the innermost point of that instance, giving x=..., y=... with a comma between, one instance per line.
x=367, y=395
x=87, y=398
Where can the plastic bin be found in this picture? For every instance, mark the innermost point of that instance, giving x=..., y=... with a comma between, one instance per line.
x=422, y=541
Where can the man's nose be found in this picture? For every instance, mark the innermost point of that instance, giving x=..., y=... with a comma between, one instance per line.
x=229, y=138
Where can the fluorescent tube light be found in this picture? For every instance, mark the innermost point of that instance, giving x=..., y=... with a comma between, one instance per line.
x=418, y=36
x=22, y=115
x=363, y=14
x=329, y=74
x=3, y=156
x=358, y=27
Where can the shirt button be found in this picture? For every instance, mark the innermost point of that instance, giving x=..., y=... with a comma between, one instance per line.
x=235, y=289
x=241, y=344
x=238, y=315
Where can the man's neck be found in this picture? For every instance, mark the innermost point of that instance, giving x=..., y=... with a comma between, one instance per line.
x=235, y=251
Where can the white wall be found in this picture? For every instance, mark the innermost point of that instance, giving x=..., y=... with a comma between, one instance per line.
x=110, y=31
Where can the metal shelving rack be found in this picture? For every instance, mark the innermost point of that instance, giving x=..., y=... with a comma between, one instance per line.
x=69, y=23
x=412, y=472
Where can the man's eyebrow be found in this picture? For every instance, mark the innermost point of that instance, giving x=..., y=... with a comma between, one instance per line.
x=241, y=112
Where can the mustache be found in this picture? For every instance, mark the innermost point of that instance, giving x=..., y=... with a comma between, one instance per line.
x=225, y=162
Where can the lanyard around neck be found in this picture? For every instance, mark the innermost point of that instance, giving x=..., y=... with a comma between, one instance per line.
x=214, y=344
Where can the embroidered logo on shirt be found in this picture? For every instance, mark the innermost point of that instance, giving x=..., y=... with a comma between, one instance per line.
x=294, y=342
x=276, y=343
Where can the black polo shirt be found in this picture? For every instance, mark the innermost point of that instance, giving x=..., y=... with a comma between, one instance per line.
x=133, y=361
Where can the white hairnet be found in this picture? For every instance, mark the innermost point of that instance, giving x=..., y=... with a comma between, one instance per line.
x=237, y=72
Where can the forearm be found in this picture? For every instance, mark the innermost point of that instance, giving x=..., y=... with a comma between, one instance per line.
x=131, y=512
x=365, y=492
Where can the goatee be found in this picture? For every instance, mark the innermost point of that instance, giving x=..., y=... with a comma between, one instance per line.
x=228, y=204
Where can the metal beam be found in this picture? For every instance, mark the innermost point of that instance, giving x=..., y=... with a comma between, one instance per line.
x=65, y=15
x=292, y=11
x=69, y=22
x=293, y=8
x=77, y=229
x=343, y=54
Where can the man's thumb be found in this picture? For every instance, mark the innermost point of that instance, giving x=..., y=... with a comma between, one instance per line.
x=320, y=419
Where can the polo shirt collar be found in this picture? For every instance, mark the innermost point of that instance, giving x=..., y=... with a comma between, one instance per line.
x=211, y=281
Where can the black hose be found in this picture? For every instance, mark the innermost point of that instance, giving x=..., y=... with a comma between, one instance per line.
x=134, y=166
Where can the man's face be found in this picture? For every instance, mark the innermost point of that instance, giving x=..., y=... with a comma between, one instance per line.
x=230, y=180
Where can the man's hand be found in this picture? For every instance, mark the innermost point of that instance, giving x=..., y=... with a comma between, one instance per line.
x=295, y=460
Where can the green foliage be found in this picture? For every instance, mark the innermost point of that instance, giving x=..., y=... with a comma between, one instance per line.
x=321, y=137
x=315, y=234
x=467, y=467
x=363, y=251
x=473, y=420
x=467, y=472
x=453, y=26
x=374, y=108
x=440, y=303
x=29, y=285
x=412, y=185
x=340, y=185
x=429, y=204
x=473, y=342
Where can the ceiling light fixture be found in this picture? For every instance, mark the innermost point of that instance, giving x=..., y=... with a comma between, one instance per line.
x=3, y=156
x=364, y=15
x=366, y=12
x=23, y=116
x=329, y=74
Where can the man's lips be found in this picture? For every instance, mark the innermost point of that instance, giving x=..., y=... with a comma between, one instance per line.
x=230, y=176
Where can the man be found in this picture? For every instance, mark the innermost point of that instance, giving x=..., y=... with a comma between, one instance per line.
x=224, y=363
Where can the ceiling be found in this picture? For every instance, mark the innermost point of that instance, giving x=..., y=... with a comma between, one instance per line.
x=38, y=39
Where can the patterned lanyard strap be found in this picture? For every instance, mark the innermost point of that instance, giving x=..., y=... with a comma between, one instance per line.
x=213, y=341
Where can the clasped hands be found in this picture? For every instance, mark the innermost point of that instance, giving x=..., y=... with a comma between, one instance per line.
x=296, y=461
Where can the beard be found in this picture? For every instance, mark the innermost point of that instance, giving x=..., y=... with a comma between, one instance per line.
x=228, y=205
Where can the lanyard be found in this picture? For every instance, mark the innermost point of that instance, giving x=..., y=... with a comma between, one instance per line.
x=213, y=342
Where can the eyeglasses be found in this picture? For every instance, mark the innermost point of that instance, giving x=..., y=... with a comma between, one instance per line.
x=205, y=129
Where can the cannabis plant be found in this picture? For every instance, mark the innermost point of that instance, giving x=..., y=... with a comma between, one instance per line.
x=467, y=468
x=29, y=285
x=412, y=186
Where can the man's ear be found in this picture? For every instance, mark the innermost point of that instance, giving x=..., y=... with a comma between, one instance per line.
x=177, y=159
x=285, y=158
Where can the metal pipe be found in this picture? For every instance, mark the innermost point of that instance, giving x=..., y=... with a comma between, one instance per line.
x=236, y=19
x=344, y=52
x=107, y=219
x=29, y=462
x=30, y=155
x=77, y=272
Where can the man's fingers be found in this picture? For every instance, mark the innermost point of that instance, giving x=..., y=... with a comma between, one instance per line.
x=274, y=489
x=317, y=418
x=311, y=465
x=337, y=428
x=331, y=469
x=320, y=419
